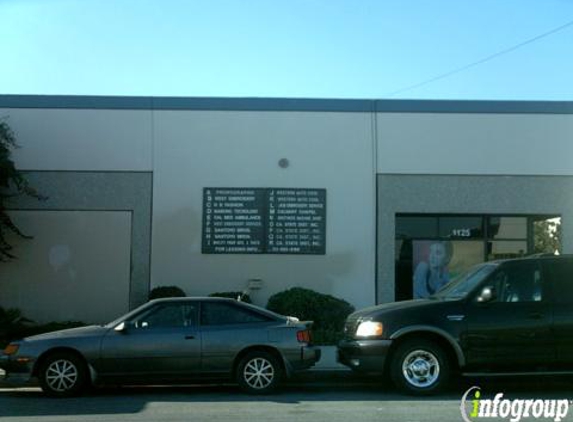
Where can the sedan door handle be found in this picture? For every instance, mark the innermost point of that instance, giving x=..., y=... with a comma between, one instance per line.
x=189, y=337
x=535, y=315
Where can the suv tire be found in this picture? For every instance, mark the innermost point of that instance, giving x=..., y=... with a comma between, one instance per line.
x=420, y=367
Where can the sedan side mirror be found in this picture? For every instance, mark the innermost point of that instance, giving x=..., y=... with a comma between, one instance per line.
x=487, y=295
x=121, y=328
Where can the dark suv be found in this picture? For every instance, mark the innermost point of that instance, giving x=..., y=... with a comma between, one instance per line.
x=503, y=317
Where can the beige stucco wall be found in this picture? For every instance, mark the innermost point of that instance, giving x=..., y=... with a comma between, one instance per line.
x=196, y=149
x=470, y=144
x=82, y=140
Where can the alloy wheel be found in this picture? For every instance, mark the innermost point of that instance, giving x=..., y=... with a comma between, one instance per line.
x=421, y=368
x=259, y=373
x=61, y=375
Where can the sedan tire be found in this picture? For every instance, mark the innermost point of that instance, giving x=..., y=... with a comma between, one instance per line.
x=420, y=367
x=63, y=374
x=259, y=372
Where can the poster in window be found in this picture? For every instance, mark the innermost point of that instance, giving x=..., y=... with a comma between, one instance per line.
x=430, y=260
x=437, y=262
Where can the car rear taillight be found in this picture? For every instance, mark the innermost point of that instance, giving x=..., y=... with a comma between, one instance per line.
x=304, y=336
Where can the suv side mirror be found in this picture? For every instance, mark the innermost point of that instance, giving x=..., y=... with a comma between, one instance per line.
x=487, y=295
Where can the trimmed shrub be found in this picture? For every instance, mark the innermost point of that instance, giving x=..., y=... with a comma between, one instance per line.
x=166, y=291
x=233, y=295
x=12, y=325
x=328, y=312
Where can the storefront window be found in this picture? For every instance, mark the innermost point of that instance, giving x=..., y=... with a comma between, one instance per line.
x=466, y=255
x=506, y=249
x=507, y=227
x=431, y=250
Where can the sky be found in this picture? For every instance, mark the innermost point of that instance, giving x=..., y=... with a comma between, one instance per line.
x=368, y=49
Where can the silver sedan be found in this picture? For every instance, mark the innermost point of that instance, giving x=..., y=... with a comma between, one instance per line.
x=168, y=341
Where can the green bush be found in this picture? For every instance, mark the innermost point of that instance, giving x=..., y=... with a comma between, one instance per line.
x=166, y=291
x=328, y=312
x=14, y=326
x=233, y=295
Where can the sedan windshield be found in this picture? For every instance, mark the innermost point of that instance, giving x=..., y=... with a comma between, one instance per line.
x=463, y=284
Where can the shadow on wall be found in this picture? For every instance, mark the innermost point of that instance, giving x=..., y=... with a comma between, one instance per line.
x=175, y=236
x=177, y=260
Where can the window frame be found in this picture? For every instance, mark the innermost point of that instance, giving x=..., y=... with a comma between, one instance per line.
x=545, y=295
x=156, y=308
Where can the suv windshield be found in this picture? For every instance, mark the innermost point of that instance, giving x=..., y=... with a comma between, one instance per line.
x=463, y=284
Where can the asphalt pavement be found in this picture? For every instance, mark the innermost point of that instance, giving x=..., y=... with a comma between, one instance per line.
x=295, y=402
x=328, y=393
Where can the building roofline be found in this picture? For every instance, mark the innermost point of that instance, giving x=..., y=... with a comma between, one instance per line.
x=284, y=104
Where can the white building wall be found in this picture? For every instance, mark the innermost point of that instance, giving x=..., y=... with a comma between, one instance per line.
x=197, y=149
x=82, y=140
x=472, y=144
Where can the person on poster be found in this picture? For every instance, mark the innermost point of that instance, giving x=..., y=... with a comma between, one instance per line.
x=431, y=276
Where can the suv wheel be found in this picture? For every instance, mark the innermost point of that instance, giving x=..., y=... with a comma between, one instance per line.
x=420, y=367
x=259, y=372
x=63, y=375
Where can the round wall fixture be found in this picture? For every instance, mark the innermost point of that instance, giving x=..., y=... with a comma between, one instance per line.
x=283, y=163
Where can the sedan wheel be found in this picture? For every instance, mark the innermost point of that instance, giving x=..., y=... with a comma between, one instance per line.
x=420, y=367
x=259, y=373
x=63, y=375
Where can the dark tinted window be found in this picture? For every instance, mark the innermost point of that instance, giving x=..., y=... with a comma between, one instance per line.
x=518, y=282
x=559, y=272
x=403, y=269
x=416, y=227
x=168, y=315
x=213, y=313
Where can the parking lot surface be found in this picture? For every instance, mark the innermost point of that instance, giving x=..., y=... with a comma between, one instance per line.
x=313, y=397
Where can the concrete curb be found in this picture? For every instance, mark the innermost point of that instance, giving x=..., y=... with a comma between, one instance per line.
x=328, y=360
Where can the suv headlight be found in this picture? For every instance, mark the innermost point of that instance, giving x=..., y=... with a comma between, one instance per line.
x=369, y=329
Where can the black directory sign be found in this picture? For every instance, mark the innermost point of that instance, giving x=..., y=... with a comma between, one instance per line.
x=233, y=220
x=296, y=221
x=264, y=220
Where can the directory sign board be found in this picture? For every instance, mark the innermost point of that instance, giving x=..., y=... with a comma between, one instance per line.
x=264, y=220
x=296, y=221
